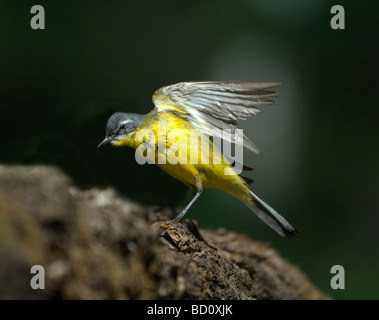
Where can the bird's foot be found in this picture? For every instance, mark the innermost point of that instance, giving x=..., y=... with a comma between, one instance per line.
x=177, y=223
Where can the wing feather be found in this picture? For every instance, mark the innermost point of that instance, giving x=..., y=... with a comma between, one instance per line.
x=214, y=106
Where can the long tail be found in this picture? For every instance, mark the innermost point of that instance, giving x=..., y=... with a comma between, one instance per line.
x=271, y=217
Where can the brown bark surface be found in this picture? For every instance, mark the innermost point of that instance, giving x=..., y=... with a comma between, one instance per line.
x=94, y=244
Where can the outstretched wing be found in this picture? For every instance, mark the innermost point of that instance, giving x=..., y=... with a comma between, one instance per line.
x=213, y=106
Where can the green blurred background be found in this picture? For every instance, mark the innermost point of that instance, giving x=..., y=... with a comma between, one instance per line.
x=319, y=152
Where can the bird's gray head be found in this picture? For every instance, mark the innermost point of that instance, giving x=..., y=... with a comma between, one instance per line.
x=120, y=124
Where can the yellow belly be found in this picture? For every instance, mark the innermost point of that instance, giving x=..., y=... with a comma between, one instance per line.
x=180, y=151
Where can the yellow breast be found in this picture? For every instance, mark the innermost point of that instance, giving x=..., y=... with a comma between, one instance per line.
x=179, y=149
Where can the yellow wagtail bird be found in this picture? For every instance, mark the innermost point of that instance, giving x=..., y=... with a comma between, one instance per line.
x=210, y=108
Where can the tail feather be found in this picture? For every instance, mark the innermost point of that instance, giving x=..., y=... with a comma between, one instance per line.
x=271, y=217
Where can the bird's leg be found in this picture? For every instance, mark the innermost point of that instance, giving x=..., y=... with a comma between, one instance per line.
x=196, y=193
x=184, y=211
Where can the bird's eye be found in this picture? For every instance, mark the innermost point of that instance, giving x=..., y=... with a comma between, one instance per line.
x=122, y=126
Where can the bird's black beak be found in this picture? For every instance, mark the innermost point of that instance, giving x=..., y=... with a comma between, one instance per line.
x=105, y=141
